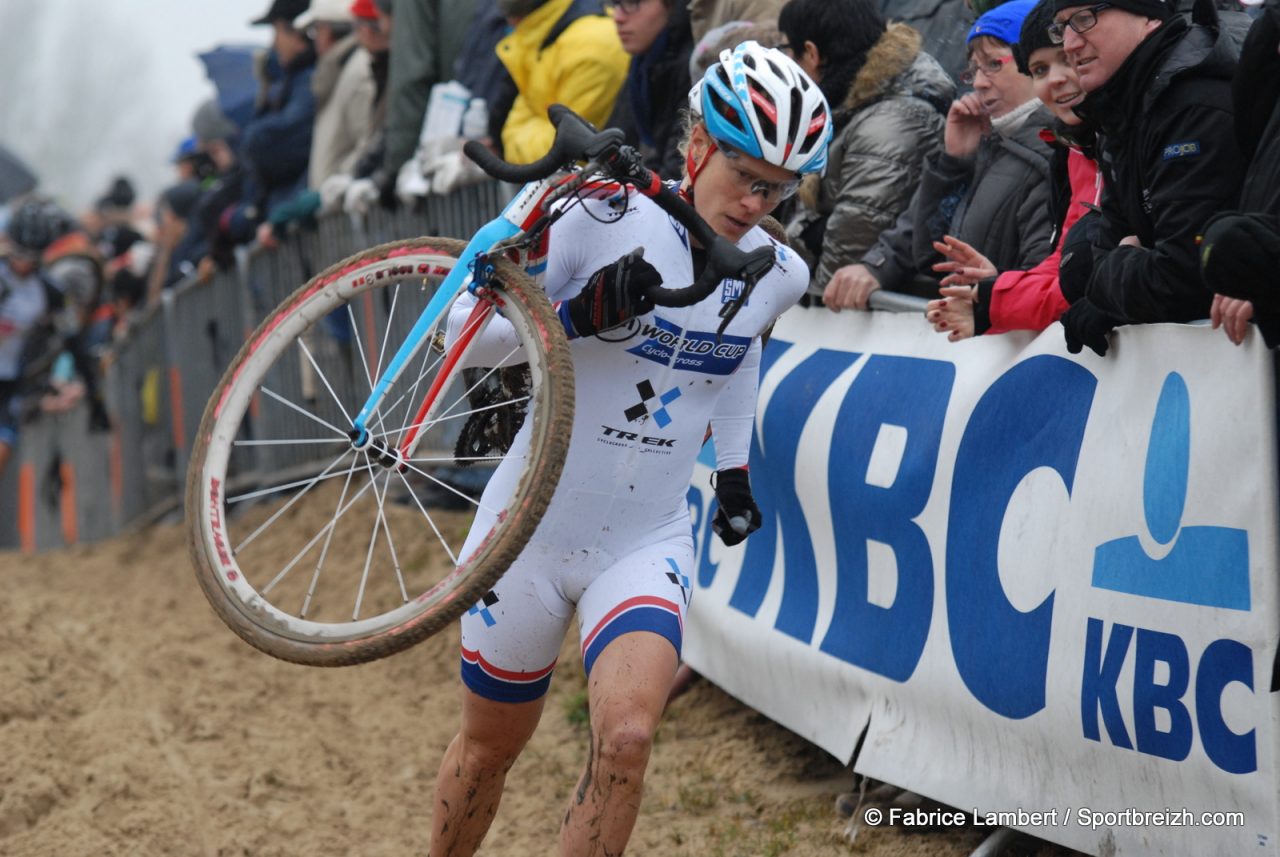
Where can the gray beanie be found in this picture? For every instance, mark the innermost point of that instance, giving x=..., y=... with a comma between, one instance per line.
x=210, y=123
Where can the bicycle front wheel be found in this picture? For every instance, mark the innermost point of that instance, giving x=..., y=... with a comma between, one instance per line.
x=320, y=549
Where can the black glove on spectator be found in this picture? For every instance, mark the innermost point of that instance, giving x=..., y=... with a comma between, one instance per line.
x=99, y=421
x=1076, y=266
x=738, y=515
x=615, y=293
x=1239, y=257
x=1084, y=324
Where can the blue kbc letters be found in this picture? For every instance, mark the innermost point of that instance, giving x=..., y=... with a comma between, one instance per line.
x=1001, y=653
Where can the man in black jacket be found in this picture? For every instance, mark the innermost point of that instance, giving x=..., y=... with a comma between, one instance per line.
x=1240, y=255
x=1159, y=91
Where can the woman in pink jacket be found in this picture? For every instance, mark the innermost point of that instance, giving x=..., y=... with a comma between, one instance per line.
x=978, y=299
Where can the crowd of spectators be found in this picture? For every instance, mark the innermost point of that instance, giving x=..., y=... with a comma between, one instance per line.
x=1016, y=162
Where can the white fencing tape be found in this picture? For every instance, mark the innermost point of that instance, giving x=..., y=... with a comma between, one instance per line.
x=1040, y=582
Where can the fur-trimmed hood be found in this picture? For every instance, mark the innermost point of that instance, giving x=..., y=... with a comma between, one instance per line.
x=896, y=66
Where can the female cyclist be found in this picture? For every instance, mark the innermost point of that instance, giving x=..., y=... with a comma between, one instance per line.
x=615, y=544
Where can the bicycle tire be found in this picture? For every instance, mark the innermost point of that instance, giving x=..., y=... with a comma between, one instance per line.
x=232, y=445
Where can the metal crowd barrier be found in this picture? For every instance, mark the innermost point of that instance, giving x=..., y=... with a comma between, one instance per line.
x=65, y=486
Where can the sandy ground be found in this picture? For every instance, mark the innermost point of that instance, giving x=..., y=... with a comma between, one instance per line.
x=132, y=722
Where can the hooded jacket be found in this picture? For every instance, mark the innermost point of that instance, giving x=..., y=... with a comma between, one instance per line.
x=657, y=91
x=583, y=69
x=891, y=120
x=998, y=201
x=1169, y=160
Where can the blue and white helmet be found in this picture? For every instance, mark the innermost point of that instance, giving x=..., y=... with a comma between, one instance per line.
x=759, y=102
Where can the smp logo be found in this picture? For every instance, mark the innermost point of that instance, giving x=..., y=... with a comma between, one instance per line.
x=1150, y=689
x=731, y=290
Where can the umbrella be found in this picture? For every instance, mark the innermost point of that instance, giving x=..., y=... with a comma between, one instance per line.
x=16, y=177
x=230, y=68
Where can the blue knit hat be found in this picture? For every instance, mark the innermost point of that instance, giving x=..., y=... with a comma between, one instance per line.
x=1004, y=22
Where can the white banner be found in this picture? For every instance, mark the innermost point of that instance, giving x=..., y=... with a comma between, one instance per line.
x=1039, y=582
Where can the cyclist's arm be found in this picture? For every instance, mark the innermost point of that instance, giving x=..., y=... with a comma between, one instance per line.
x=734, y=415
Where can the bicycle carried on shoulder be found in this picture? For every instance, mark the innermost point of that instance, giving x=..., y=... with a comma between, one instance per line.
x=340, y=462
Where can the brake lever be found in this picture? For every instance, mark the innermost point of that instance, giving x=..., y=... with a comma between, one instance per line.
x=759, y=263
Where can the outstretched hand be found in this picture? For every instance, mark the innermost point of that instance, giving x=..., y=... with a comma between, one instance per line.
x=965, y=266
x=952, y=314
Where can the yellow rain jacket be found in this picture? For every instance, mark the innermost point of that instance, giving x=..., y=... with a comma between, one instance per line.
x=584, y=68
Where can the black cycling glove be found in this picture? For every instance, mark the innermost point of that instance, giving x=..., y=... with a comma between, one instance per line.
x=613, y=295
x=738, y=515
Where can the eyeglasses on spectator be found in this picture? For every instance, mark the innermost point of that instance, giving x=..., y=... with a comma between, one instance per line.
x=990, y=68
x=1082, y=22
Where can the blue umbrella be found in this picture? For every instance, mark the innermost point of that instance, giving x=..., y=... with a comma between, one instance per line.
x=230, y=68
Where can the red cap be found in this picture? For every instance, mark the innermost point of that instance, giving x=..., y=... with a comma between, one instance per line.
x=364, y=9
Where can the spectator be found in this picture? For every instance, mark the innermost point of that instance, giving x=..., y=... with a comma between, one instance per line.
x=988, y=187
x=34, y=328
x=1240, y=256
x=114, y=231
x=1159, y=90
x=940, y=24
x=559, y=52
x=375, y=29
x=73, y=262
x=707, y=15
x=343, y=87
x=471, y=106
x=891, y=101
x=179, y=248
x=217, y=137
x=275, y=145
x=977, y=298
x=428, y=37
x=706, y=50
x=656, y=34
x=191, y=163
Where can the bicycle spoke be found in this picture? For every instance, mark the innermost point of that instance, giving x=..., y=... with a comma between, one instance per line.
x=309, y=483
x=288, y=404
x=324, y=551
x=276, y=489
x=300, y=442
x=450, y=488
x=380, y=520
x=443, y=418
x=323, y=378
x=456, y=458
x=307, y=547
x=431, y=522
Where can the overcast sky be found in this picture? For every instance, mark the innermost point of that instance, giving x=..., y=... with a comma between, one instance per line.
x=96, y=88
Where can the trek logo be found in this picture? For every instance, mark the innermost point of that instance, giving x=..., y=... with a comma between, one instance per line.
x=1189, y=149
x=633, y=437
x=645, y=408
